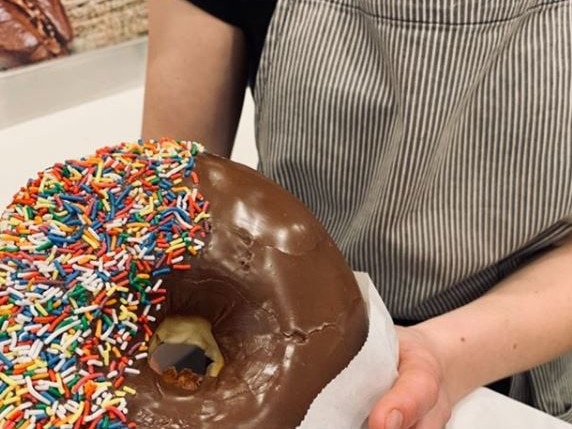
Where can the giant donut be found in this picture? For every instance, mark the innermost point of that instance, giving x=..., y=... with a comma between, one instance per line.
x=109, y=262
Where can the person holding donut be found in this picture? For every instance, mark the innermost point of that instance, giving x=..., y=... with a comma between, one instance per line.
x=433, y=140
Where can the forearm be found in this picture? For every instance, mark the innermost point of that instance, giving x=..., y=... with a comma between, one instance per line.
x=522, y=322
x=196, y=76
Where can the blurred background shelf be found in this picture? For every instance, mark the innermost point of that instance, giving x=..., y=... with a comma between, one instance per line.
x=36, y=90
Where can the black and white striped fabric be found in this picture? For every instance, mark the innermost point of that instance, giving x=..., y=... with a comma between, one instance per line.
x=432, y=138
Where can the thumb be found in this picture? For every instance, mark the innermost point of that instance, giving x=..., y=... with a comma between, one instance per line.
x=413, y=395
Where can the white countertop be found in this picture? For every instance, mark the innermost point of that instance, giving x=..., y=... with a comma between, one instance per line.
x=42, y=88
x=31, y=146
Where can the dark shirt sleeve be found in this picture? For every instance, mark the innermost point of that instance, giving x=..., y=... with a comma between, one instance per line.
x=251, y=16
x=225, y=10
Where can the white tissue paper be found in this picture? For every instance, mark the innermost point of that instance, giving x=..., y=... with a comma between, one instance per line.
x=346, y=401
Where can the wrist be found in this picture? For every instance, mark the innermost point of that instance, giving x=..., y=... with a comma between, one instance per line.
x=458, y=380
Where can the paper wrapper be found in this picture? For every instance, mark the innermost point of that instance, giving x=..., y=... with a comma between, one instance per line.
x=346, y=401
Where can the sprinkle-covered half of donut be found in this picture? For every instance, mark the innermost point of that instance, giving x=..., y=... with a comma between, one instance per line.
x=82, y=249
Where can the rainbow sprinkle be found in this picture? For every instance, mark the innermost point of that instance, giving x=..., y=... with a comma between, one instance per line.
x=82, y=249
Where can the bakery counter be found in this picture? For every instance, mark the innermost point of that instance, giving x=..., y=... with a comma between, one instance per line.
x=31, y=145
x=39, y=89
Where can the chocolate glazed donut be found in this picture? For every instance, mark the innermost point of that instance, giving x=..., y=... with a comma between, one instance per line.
x=285, y=310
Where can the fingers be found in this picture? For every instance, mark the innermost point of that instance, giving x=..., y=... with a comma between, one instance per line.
x=414, y=394
x=438, y=416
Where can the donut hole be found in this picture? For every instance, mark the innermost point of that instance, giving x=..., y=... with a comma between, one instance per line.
x=183, y=351
x=244, y=328
x=180, y=357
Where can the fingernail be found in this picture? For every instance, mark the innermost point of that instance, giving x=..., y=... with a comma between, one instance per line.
x=394, y=420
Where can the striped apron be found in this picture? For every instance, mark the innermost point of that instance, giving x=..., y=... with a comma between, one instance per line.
x=432, y=138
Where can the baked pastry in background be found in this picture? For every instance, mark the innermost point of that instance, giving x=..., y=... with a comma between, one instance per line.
x=32, y=31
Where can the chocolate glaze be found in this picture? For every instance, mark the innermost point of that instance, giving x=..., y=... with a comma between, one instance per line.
x=285, y=308
x=32, y=31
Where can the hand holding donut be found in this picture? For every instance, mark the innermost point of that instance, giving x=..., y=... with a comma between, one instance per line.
x=419, y=397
